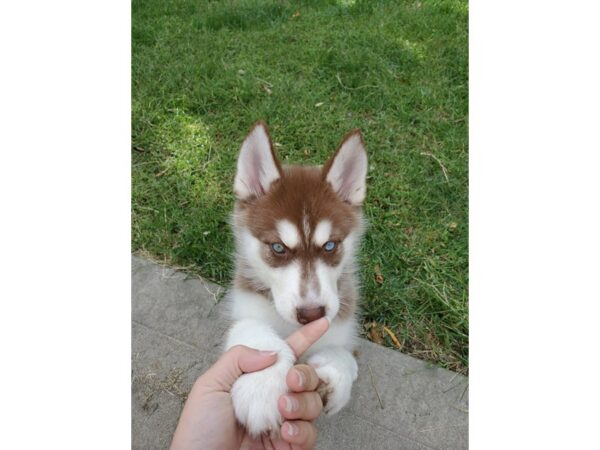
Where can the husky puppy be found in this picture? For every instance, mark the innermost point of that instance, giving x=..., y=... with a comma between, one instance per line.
x=297, y=229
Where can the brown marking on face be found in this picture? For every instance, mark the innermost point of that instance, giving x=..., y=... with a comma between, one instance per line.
x=249, y=284
x=301, y=192
x=304, y=197
x=309, y=279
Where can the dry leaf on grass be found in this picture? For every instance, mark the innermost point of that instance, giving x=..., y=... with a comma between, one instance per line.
x=375, y=334
x=378, y=276
x=393, y=337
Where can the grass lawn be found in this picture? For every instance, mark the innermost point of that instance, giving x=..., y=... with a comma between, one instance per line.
x=204, y=71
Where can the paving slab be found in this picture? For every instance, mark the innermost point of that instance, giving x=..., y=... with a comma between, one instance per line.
x=178, y=331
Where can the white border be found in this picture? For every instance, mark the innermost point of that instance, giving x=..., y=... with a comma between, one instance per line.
x=65, y=239
x=534, y=225
x=65, y=290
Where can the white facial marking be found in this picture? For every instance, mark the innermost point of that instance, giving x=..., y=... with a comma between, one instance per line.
x=328, y=277
x=284, y=288
x=322, y=232
x=288, y=233
x=283, y=281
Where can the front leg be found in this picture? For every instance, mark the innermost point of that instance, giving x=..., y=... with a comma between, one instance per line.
x=337, y=370
x=255, y=395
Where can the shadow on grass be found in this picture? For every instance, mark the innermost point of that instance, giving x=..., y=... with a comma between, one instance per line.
x=177, y=200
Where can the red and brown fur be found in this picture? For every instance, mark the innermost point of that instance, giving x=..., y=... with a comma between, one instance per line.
x=297, y=229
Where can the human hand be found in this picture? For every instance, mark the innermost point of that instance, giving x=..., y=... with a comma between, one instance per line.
x=208, y=421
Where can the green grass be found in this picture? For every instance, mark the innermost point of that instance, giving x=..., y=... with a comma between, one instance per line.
x=204, y=71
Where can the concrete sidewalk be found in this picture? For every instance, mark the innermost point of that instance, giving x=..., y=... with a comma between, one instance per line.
x=178, y=333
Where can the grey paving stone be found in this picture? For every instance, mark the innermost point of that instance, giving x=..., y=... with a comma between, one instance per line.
x=177, y=333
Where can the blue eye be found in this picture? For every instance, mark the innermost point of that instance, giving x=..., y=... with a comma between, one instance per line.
x=329, y=246
x=278, y=248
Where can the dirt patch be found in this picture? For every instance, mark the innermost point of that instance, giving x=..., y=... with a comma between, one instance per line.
x=150, y=384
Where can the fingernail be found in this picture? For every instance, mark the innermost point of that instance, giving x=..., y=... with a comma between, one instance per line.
x=292, y=429
x=291, y=404
x=267, y=353
x=300, y=377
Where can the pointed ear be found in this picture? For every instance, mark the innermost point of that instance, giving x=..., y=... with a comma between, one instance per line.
x=346, y=171
x=257, y=165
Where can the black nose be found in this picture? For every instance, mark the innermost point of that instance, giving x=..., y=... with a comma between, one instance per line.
x=306, y=315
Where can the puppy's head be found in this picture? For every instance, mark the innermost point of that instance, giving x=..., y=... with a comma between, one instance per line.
x=297, y=227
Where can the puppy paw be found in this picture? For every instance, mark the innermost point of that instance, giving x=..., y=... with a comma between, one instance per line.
x=255, y=396
x=337, y=370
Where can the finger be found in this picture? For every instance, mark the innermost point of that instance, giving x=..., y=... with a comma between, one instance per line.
x=306, y=336
x=305, y=406
x=300, y=433
x=233, y=363
x=251, y=360
x=301, y=378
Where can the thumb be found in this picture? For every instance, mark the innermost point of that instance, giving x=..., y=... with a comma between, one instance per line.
x=232, y=364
